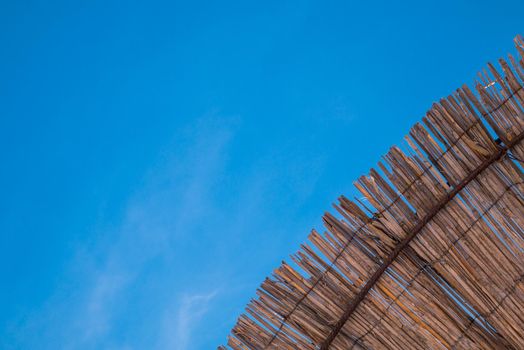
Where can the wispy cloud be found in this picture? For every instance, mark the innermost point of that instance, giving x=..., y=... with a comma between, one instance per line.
x=191, y=310
x=109, y=272
x=160, y=216
x=97, y=310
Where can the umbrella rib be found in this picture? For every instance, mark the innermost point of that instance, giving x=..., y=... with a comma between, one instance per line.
x=353, y=304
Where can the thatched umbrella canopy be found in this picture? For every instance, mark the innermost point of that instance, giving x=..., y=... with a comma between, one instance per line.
x=439, y=261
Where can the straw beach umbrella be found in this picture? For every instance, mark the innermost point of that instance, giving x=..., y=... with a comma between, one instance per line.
x=438, y=263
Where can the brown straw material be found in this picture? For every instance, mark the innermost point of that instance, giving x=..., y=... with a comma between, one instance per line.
x=440, y=264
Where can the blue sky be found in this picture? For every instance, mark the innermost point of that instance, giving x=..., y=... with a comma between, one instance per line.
x=159, y=159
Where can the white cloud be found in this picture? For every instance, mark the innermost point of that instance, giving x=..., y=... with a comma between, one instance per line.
x=156, y=218
x=159, y=215
x=97, y=316
x=191, y=310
